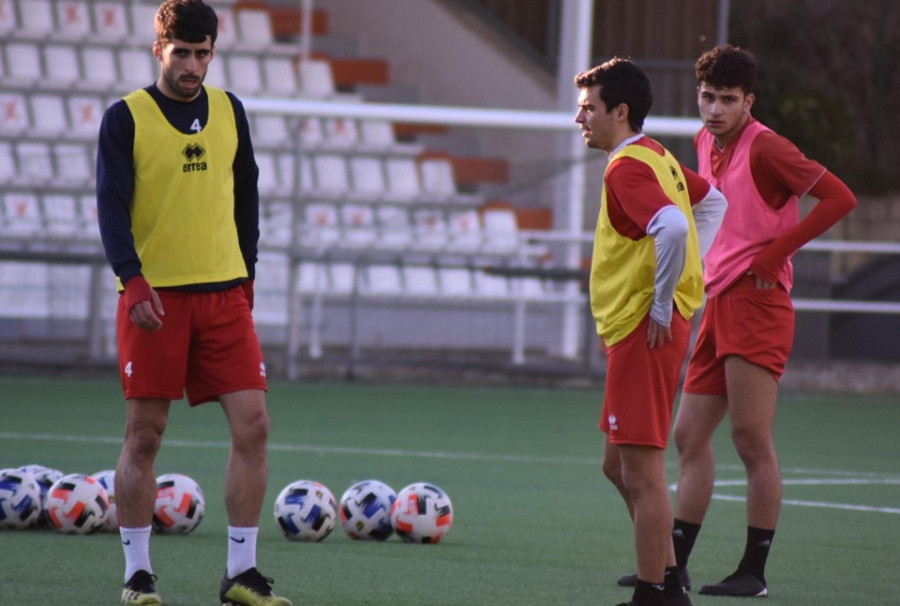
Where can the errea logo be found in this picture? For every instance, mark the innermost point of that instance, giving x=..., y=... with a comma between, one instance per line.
x=193, y=152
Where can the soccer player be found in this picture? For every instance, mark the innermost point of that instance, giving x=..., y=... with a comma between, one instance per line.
x=747, y=328
x=656, y=219
x=179, y=218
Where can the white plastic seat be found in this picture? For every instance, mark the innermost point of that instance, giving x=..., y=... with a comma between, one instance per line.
x=35, y=163
x=23, y=64
x=268, y=173
x=331, y=175
x=21, y=215
x=9, y=169
x=270, y=130
x=431, y=229
x=35, y=20
x=420, y=280
x=270, y=289
x=136, y=65
x=227, y=34
x=316, y=79
x=455, y=281
x=376, y=134
x=87, y=210
x=367, y=177
x=358, y=223
x=465, y=231
x=276, y=223
x=143, y=30
x=111, y=21
x=312, y=278
x=8, y=21
x=216, y=73
x=23, y=290
x=343, y=277
x=307, y=181
x=254, y=29
x=321, y=225
x=402, y=179
x=49, y=118
x=341, y=132
x=61, y=218
x=99, y=71
x=74, y=165
x=287, y=174
x=394, y=230
x=13, y=114
x=85, y=114
x=244, y=74
x=62, y=69
x=437, y=178
x=73, y=20
x=384, y=279
x=311, y=133
x=500, y=230
x=491, y=285
x=280, y=75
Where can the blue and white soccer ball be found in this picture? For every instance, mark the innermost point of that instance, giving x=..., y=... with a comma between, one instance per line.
x=20, y=499
x=45, y=477
x=305, y=510
x=107, y=479
x=180, y=504
x=77, y=504
x=365, y=510
x=422, y=513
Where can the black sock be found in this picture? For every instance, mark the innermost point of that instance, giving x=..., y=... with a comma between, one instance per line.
x=673, y=583
x=683, y=536
x=648, y=594
x=759, y=541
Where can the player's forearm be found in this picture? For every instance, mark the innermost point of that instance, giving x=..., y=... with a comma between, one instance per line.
x=669, y=230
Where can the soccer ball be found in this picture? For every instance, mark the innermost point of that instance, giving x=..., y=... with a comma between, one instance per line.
x=107, y=479
x=20, y=499
x=45, y=477
x=422, y=513
x=179, y=504
x=305, y=511
x=365, y=510
x=77, y=504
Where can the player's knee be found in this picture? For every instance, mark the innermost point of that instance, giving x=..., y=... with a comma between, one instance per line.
x=613, y=472
x=252, y=431
x=752, y=446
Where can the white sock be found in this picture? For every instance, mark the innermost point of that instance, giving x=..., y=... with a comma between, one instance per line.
x=136, y=545
x=241, y=550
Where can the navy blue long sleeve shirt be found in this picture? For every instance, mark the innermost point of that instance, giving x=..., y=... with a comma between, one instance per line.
x=115, y=182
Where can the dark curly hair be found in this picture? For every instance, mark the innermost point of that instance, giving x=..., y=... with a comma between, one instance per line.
x=621, y=81
x=727, y=66
x=188, y=20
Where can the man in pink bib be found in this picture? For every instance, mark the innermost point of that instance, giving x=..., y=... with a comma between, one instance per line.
x=747, y=329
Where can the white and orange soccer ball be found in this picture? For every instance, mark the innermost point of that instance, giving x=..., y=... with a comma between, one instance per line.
x=305, y=510
x=422, y=513
x=76, y=504
x=20, y=499
x=365, y=511
x=107, y=479
x=180, y=504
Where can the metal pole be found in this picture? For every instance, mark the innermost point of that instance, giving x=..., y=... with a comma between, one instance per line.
x=724, y=10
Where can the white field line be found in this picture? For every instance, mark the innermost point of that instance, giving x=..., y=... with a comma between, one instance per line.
x=858, y=478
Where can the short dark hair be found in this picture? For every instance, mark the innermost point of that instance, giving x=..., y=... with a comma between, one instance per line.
x=188, y=20
x=621, y=81
x=727, y=66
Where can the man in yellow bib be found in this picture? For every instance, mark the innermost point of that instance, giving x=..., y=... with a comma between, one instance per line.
x=657, y=219
x=178, y=208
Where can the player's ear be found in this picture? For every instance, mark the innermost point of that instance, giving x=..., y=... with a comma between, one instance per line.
x=157, y=50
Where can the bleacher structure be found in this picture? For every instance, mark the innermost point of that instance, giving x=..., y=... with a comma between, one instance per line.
x=349, y=214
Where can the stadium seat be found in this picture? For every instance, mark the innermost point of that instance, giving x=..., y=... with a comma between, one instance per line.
x=8, y=21
x=312, y=278
x=35, y=20
x=366, y=177
x=383, y=279
x=268, y=172
x=342, y=277
x=316, y=79
x=341, y=132
x=13, y=114
x=394, y=230
x=244, y=75
x=87, y=209
x=270, y=130
x=437, y=178
x=216, y=74
x=21, y=215
x=143, y=30
x=402, y=179
x=276, y=223
x=61, y=217
x=358, y=223
x=99, y=71
x=74, y=165
x=420, y=280
x=73, y=20
x=455, y=281
x=321, y=225
x=431, y=229
x=85, y=114
x=49, y=118
x=270, y=289
x=62, y=67
x=287, y=173
x=254, y=29
x=378, y=136
x=35, y=163
x=111, y=22
x=137, y=67
x=23, y=290
x=490, y=285
x=280, y=75
x=500, y=230
x=330, y=173
x=8, y=167
x=465, y=232
x=227, y=34
x=311, y=133
x=23, y=65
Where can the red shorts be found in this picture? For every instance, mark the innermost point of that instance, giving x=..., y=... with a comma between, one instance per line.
x=745, y=321
x=641, y=384
x=206, y=347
